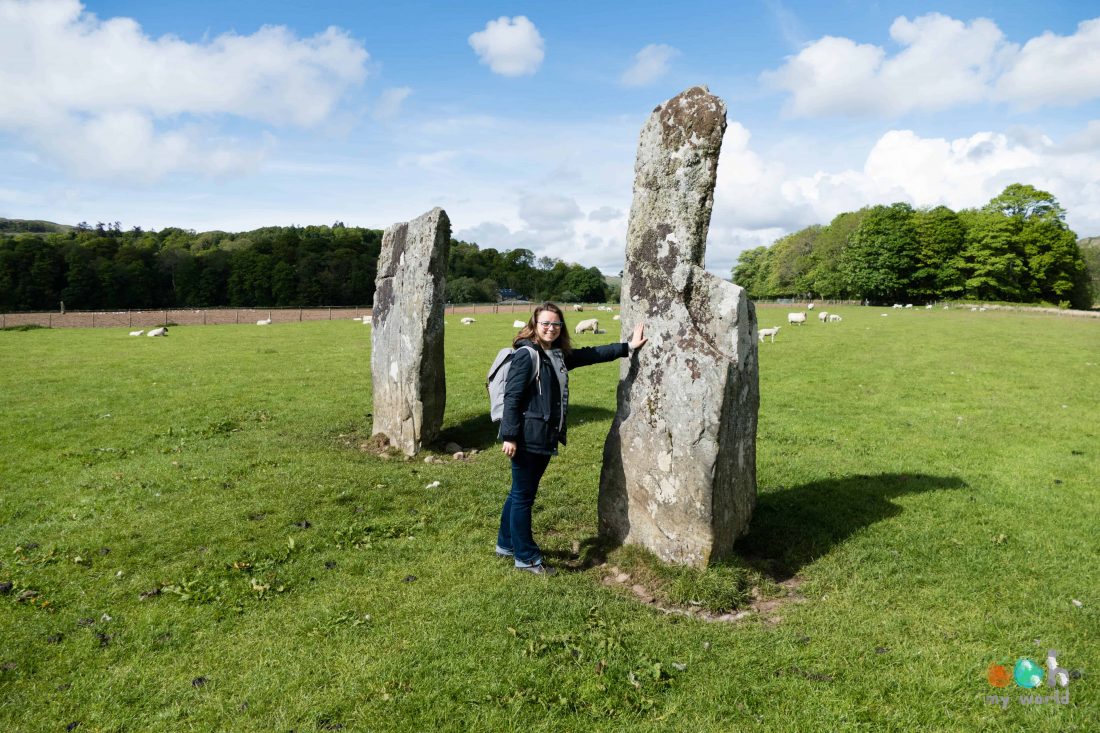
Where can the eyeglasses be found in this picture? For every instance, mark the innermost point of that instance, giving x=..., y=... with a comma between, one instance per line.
x=551, y=324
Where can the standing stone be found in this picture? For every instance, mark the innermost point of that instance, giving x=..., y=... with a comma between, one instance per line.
x=679, y=466
x=410, y=387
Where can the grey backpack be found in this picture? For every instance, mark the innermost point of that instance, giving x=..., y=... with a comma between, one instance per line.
x=497, y=379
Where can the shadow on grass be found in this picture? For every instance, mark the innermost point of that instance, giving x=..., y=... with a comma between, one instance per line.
x=793, y=527
x=478, y=431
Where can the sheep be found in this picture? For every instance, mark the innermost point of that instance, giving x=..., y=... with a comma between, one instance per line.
x=796, y=317
x=983, y=309
x=264, y=322
x=767, y=332
x=162, y=331
x=809, y=306
x=369, y=320
x=908, y=305
x=834, y=318
x=467, y=321
x=137, y=333
x=897, y=305
x=616, y=317
x=589, y=325
x=578, y=308
x=518, y=324
x=928, y=306
x=823, y=316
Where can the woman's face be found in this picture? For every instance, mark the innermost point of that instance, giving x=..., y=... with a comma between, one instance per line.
x=548, y=325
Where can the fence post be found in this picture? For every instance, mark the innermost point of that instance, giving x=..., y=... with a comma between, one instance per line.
x=238, y=314
x=204, y=316
x=50, y=322
x=130, y=317
x=165, y=318
x=93, y=319
x=330, y=314
x=299, y=315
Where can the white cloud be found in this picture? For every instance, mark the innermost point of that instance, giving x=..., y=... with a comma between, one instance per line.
x=549, y=218
x=509, y=46
x=605, y=213
x=944, y=62
x=1052, y=69
x=758, y=199
x=72, y=80
x=390, y=101
x=650, y=64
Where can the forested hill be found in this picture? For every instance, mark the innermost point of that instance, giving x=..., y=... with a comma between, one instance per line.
x=107, y=267
x=1016, y=248
x=9, y=226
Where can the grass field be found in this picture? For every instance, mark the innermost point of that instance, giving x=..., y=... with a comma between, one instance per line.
x=194, y=541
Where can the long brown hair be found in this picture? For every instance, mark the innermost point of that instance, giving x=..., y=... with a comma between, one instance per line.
x=529, y=331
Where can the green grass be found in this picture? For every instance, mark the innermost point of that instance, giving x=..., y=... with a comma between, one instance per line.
x=210, y=550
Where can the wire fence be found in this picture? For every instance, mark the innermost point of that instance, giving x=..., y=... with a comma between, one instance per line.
x=222, y=316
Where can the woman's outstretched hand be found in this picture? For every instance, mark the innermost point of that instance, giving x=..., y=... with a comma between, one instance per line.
x=639, y=337
x=509, y=448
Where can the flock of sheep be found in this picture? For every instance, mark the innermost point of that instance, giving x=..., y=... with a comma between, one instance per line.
x=797, y=319
x=162, y=331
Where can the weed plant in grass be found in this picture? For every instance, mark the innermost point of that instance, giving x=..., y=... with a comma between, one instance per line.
x=191, y=540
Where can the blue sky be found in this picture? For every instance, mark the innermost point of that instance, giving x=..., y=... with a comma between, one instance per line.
x=521, y=119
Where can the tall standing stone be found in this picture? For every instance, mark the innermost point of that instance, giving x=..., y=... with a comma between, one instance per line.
x=410, y=386
x=679, y=468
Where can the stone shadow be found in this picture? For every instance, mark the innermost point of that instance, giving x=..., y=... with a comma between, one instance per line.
x=478, y=431
x=793, y=527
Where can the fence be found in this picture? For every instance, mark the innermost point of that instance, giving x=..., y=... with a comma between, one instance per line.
x=221, y=316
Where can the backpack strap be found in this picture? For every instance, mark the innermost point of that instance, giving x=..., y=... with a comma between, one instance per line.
x=538, y=363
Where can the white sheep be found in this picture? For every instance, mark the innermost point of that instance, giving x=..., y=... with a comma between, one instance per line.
x=908, y=305
x=137, y=333
x=809, y=306
x=823, y=316
x=767, y=332
x=796, y=317
x=897, y=305
x=162, y=331
x=616, y=317
x=467, y=321
x=834, y=318
x=518, y=324
x=264, y=322
x=578, y=308
x=588, y=325
x=369, y=320
x=928, y=306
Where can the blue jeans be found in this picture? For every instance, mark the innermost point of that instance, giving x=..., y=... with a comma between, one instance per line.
x=515, y=518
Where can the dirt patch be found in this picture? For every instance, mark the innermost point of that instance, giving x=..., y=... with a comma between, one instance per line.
x=768, y=609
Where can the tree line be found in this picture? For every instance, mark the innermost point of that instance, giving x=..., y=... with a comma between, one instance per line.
x=106, y=267
x=1016, y=248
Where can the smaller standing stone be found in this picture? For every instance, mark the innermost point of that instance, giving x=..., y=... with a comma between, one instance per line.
x=410, y=385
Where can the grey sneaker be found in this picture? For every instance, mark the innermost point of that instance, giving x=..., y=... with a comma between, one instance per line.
x=539, y=569
x=501, y=552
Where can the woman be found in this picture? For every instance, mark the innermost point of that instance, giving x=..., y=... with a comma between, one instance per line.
x=534, y=422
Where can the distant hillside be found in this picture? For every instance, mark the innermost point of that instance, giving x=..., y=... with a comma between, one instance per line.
x=30, y=225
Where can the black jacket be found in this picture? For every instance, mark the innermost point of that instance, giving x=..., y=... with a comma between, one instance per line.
x=535, y=414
